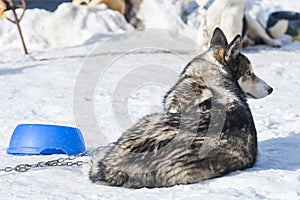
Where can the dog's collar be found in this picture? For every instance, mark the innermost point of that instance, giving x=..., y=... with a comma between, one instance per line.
x=208, y=4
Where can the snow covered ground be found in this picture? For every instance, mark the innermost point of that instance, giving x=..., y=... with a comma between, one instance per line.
x=39, y=88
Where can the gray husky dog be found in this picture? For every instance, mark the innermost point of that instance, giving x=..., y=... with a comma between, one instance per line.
x=206, y=131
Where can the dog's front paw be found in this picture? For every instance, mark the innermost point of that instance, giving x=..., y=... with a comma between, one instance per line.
x=275, y=43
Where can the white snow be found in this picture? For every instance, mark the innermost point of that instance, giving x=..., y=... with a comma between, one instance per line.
x=39, y=88
x=165, y=15
x=67, y=26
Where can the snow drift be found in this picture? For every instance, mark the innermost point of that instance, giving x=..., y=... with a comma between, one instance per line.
x=67, y=26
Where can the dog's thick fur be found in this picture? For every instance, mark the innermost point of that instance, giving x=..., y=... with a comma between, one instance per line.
x=181, y=146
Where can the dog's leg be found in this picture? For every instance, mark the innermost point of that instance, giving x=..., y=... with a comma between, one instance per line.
x=257, y=30
x=231, y=21
x=131, y=13
x=278, y=29
x=104, y=175
x=247, y=41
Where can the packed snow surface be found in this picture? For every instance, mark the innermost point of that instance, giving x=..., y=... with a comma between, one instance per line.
x=39, y=88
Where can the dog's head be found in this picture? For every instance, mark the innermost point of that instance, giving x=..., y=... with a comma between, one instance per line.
x=238, y=65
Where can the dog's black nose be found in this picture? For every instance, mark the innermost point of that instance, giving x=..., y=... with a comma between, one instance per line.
x=270, y=90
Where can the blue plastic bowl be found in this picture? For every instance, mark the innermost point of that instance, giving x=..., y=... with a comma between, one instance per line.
x=40, y=139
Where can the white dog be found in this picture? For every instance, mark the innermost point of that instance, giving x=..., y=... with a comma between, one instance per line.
x=233, y=17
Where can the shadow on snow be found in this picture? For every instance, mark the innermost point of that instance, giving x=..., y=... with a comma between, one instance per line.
x=279, y=153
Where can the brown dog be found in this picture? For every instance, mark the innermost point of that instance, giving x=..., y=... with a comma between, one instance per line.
x=118, y=5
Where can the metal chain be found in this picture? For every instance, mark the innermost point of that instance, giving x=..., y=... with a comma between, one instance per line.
x=69, y=161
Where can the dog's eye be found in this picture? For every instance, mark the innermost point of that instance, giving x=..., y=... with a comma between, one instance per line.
x=248, y=73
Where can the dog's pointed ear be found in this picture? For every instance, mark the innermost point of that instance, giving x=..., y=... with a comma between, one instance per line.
x=218, y=38
x=233, y=50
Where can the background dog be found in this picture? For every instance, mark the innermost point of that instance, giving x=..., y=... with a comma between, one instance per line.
x=118, y=5
x=3, y=8
x=233, y=17
x=128, y=8
x=206, y=131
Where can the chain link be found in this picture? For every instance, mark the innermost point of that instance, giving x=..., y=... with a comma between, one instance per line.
x=69, y=161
